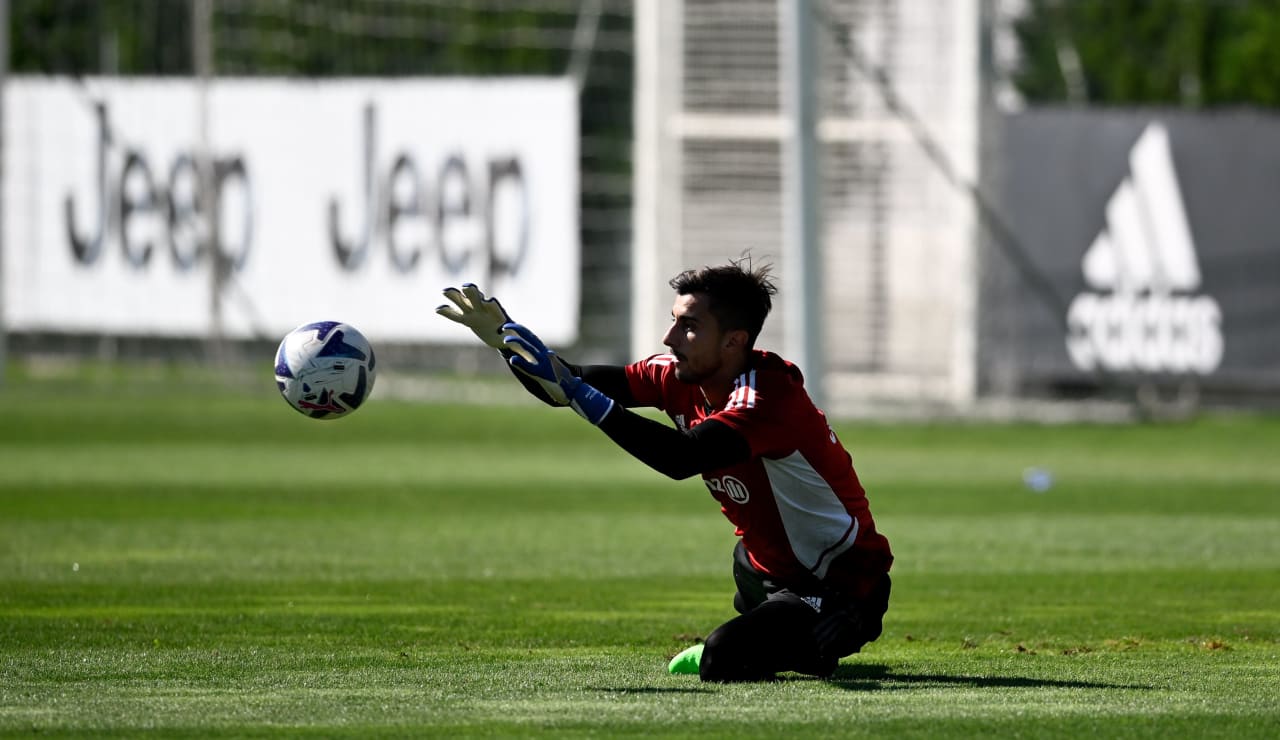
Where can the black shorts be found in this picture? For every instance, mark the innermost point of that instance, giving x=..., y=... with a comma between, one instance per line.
x=755, y=588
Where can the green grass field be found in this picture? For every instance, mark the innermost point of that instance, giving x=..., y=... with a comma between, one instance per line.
x=209, y=565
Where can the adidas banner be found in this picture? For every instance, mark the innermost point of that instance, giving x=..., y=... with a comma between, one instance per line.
x=1144, y=245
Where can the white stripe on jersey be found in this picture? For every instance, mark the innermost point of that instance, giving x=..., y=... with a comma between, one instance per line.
x=661, y=360
x=818, y=526
x=744, y=395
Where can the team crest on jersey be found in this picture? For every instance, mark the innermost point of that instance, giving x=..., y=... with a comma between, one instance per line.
x=731, y=487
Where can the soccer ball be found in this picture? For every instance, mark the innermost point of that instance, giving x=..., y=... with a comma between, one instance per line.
x=325, y=370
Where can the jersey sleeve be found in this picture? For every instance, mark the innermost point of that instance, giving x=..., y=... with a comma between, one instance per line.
x=646, y=379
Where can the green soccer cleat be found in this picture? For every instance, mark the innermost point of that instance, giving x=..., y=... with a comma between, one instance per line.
x=687, y=661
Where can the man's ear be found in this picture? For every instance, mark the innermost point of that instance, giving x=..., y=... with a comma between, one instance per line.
x=735, y=339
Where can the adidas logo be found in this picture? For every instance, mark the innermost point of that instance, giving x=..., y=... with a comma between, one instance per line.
x=1141, y=312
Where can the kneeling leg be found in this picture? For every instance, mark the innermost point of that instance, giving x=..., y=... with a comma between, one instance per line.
x=775, y=636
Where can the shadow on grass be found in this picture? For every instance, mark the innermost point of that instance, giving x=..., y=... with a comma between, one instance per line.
x=880, y=678
x=651, y=690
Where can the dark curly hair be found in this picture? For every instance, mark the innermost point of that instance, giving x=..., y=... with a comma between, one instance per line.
x=740, y=294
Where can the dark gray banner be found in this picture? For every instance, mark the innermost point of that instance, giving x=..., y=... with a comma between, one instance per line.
x=1141, y=245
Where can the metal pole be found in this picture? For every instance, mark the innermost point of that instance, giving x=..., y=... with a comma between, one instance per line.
x=801, y=240
x=202, y=66
x=584, y=42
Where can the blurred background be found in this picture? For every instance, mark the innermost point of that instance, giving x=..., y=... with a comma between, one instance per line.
x=1047, y=208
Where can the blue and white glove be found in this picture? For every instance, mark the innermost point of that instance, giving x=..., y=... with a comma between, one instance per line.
x=485, y=317
x=530, y=356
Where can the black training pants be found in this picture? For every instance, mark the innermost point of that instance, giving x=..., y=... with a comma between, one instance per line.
x=775, y=629
x=773, y=633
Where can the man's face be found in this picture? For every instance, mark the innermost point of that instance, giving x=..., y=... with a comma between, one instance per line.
x=695, y=339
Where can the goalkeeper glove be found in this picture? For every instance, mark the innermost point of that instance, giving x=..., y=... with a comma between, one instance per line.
x=530, y=356
x=844, y=626
x=839, y=632
x=484, y=316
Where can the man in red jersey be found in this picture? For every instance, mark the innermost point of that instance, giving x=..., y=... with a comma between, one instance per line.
x=810, y=567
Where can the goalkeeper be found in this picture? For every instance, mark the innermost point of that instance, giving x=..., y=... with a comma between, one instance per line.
x=810, y=568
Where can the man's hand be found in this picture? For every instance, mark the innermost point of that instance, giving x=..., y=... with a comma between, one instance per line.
x=846, y=626
x=839, y=632
x=531, y=357
x=484, y=316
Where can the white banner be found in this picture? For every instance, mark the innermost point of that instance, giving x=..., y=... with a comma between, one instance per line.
x=350, y=200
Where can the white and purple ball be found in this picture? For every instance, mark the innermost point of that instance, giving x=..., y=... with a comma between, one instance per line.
x=325, y=369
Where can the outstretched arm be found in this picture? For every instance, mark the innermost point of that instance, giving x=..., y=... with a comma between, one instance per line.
x=485, y=316
x=672, y=452
x=610, y=380
x=676, y=454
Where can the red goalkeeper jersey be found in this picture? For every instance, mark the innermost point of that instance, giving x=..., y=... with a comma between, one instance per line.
x=797, y=503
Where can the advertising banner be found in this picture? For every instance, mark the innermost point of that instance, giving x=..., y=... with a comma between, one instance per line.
x=1156, y=243
x=354, y=200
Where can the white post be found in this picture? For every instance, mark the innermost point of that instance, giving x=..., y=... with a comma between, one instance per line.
x=4, y=79
x=966, y=146
x=801, y=242
x=656, y=242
